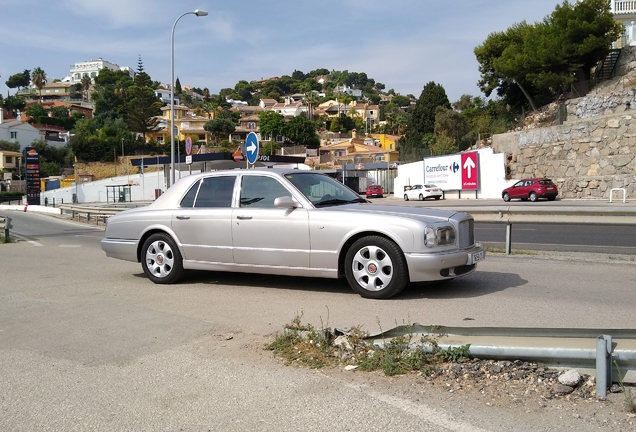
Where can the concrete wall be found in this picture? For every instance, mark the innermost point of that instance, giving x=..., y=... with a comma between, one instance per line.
x=142, y=189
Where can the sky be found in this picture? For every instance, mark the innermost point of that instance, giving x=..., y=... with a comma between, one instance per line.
x=403, y=44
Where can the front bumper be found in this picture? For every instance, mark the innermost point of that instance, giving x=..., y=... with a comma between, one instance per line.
x=439, y=266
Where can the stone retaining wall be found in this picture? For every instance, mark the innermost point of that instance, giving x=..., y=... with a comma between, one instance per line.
x=585, y=159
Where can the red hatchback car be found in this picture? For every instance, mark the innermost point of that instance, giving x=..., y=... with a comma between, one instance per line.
x=375, y=190
x=531, y=189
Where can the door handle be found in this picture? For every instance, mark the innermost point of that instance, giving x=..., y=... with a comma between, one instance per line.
x=183, y=217
x=244, y=217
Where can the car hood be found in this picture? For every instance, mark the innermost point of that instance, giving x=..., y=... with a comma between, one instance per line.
x=418, y=213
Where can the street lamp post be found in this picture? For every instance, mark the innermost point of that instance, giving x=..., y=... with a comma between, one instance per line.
x=197, y=12
x=122, y=156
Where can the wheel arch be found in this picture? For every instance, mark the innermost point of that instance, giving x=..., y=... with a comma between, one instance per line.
x=151, y=232
x=357, y=236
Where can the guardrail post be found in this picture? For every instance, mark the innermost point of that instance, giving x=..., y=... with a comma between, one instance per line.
x=603, y=364
x=6, y=222
x=508, y=238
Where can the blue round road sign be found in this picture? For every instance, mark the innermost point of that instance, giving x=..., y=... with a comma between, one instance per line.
x=251, y=147
x=188, y=146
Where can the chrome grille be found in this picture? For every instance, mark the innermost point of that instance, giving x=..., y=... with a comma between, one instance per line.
x=466, y=236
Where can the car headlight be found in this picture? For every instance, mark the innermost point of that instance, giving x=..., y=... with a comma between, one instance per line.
x=445, y=236
x=441, y=236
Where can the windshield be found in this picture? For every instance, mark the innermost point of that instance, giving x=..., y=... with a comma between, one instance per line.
x=323, y=190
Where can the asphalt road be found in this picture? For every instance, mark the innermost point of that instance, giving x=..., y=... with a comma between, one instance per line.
x=88, y=343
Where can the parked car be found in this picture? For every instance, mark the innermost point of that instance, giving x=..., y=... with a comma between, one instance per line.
x=374, y=190
x=291, y=222
x=531, y=189
x=421, y=192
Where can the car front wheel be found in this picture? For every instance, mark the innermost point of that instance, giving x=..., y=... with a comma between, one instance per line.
x=406, y=197
x=375, y=268
x=533, y=197
x=506, y=197
x=161, y=259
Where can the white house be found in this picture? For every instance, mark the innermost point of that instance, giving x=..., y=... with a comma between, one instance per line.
x=91, y=68
x=14, y=130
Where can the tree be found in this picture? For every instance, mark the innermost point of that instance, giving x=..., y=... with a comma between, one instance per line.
x=9, y=146
x=311, y=99
x=13, y=104
x=177, y=87
x=443, y=145
x=538, y=62
x=451, y=123
x=38, y=76
x=59, y=112
x=301, y=131
x=35, y=111
x=219, y=128
x=19, y=80
x=86, y=83
x=422, y=120
x=141, y=109
x=110, y=92
x=271, y=124
x=401, y=101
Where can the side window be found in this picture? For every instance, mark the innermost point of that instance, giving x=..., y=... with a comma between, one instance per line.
x=215, y=192
x=188, y=199
x=261, y=191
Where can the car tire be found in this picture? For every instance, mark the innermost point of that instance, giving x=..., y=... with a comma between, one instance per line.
x=551, y=198
x=506, y=197
x=406, y=197
x=421, y=197
x=376, y=268
x=161, y=259
x=437, y=198
x=533, y=197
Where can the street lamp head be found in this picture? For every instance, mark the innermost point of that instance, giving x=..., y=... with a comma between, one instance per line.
x=200, y=12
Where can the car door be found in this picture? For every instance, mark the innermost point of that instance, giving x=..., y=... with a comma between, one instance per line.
x=203, y=221
x=264, y=235
x=517, y=190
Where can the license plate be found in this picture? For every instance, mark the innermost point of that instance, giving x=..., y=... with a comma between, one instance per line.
x=476, y=257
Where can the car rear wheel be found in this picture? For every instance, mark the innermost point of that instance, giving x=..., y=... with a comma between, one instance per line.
x=421, y=197
x=437, y=198
x=375, y=268
x=406, y=197
x=506, y=197
x=533, y=197
x=161, y=259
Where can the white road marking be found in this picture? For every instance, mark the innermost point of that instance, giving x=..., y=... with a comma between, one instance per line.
x=426, y=413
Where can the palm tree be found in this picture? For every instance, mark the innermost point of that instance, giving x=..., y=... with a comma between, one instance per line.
x=86, y=85
x=311, y=99
x=38, y=77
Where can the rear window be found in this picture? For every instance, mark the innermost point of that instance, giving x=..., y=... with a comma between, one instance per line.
x=545, y=182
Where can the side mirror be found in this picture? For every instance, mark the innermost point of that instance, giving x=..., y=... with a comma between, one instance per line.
x=286, y=202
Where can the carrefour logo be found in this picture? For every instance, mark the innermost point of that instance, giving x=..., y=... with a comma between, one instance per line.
x=454, y=167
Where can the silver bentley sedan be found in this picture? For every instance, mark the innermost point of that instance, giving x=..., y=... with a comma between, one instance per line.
x=291, y=222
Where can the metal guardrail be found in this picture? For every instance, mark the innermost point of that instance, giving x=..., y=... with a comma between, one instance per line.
x=554, y=347
x=565, y=215
x=506, y=215
x=94, y=212
x=5, y=224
